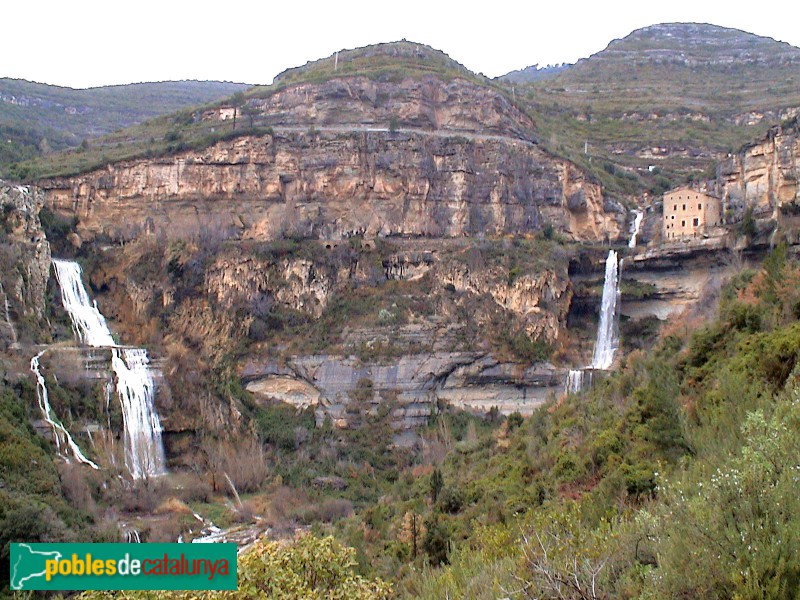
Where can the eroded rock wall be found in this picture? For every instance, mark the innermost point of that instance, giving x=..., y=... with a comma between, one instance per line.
x=25, y=256
x=763, y=176
x=332, y=185
x=422, y=103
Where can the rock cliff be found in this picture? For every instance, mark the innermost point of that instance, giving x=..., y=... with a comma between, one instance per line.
x=763, y=176
x=345, y=390
x=25, y=255
x=427, y=103
x=416, y=157
x=331, y=185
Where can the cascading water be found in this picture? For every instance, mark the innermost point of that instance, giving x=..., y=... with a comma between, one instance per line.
x=59, y=431
x=144, y=452
x=637, y=223
x=574, y=381
x=607, y=339
x=7, y=314
x=88, y=323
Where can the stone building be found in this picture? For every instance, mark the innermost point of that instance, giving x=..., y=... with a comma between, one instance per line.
x=689, y=213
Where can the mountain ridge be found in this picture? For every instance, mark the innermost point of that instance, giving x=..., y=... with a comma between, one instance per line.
x=37, y=118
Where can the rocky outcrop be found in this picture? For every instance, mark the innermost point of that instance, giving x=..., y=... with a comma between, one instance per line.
x=298, y=283
x=333, y=185
x=345, y=390
x=427, y=156
x=541, y=300
x=762, y=176
x=25, y=255
x=426, y=103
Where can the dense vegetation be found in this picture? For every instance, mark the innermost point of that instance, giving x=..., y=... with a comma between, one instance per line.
x=672, y=478
x=35, y=500
x=309, y=568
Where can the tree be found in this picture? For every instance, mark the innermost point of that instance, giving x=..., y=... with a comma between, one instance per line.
x=251, y=112
x=437, y=483
x=237, y=101
x=437, y=540
x=309, y=568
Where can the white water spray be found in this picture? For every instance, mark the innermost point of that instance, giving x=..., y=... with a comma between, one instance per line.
x=574, y=381
x=88, y=323
x=607, y=339
x=144, y=452
x=637, y=223
x=59, y=431
x=7, y=311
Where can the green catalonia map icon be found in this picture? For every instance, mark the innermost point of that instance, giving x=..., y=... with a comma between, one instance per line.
x=28, y=564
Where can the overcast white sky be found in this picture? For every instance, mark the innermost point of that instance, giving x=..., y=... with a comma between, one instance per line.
x=85, y=43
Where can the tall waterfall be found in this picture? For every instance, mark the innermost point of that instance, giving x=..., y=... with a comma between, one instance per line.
x=607, y=341
x=607, y=338
x=144, y=452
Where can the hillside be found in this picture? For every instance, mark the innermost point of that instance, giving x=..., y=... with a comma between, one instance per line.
x=533, y=73
x=665, y=103
x=38, y=119
x=354, y=298
x=377, y=72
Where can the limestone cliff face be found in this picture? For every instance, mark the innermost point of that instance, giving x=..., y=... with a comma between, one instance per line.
x=763, y=176
x=332, y=185
x=25, y=255
x=426, y=103
x=334, y=386
x=461, y=163
x=297, y=283
x=541, y=301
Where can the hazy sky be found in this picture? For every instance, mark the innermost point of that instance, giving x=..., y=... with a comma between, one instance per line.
x=84, y=43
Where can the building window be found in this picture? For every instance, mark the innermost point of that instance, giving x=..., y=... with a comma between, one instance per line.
x=684, y=207
x=696, y=222
x=683, y=223
x=672, y=217
x=674, y=207
x=700, y=206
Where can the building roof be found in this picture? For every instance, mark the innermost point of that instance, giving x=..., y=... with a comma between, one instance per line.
x=690, y=189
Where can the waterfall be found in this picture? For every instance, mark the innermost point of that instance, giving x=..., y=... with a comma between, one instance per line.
x=59, y=430
x=637, y=223
x=607, y=339
x=7, y=312
x=144, y=452
x=88, y=323
x=574, y=381
x=132, y=536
